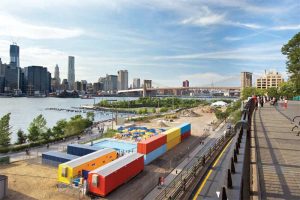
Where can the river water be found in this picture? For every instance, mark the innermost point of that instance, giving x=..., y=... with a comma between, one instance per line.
x=24, y=109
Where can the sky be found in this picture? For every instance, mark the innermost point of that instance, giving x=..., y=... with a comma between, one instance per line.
x=204, y=41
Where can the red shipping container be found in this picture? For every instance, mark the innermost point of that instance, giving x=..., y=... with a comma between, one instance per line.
x=152, y=143
x=185, y=135
x=108, y=177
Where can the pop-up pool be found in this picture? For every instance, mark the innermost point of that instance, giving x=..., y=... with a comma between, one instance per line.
x=119, y=145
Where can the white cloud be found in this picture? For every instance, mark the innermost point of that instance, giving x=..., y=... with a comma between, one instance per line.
x=204, y=20
x=251, y=53
x=13, y=27
x=286, y=27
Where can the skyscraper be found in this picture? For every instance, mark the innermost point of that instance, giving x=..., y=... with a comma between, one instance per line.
x=14, y=55
x=246, y=79
x=56, y=74
x=37, y=80
x=122, y=80
x=136, y=83
x=71, y=72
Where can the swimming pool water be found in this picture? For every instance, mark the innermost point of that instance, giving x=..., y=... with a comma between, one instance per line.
x=117, y=145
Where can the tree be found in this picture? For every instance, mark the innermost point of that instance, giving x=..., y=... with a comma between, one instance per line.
x=5, y=130
x=287, y=89
x=46, y=135
x=22, y=137
x=153, y=110
x=58, y=129
x=272, y=92
x=90, y=116
x=36, y=128
x=292, y=51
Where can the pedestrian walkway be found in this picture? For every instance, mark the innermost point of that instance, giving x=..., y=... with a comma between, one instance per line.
x=278, y=152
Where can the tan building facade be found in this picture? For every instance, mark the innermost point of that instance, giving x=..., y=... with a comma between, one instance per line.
x=246, y=79
x=268, y=80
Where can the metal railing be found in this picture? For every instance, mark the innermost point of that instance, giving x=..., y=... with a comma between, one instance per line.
x=187, y=176
x=237, y=182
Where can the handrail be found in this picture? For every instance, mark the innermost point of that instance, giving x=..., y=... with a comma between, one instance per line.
x=237, y=183
x=188, y=175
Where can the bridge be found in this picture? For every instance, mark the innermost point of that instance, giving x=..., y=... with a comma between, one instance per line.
x=258, y=159
x=184, y=91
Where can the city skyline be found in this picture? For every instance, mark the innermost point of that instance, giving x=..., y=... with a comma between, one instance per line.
x=198, y=41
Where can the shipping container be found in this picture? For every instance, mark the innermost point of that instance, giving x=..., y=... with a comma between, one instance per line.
x=81, y=149
x=185, y=135
x=172, y=133
x=105, y=179
x=185, y=128
x=173, y=142
x=54, y=158
x=152, y=143
x=148, y=158
x=73, y=169
x=3, y=186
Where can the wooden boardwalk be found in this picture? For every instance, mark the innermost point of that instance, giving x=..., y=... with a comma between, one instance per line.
x=278, y=152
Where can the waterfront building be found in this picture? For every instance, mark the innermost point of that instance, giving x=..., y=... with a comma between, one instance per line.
x=77, y=86
x=71, y=72
x=1, y=68
x=110, y=83
x=13, y=78
x=14, y=52
x=37, y=80
x=56, y=74
x=122, y=80
x=84, y=85
x=268, y=80
x=97, y=87
x=64, y=84
x=246, y=79
x=136, y=83
x=186, y=83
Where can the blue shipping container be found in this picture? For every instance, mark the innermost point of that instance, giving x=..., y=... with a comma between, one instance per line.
x=185, y=128
x=148, y=158
x=81, y=149
x=54, y=158
x=85, y=174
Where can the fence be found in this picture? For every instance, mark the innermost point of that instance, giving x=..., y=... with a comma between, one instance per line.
x=187, y=176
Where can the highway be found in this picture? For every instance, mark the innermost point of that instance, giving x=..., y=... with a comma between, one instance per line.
x=214, y=179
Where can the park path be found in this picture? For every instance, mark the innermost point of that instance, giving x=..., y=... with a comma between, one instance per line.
x=278, y=151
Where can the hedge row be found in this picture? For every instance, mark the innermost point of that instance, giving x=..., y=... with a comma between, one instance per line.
x=16, y=148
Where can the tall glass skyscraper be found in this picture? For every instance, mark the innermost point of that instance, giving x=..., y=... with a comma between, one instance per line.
x=14, y=52
x=71, y=72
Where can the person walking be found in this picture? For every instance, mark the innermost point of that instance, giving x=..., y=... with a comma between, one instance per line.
x=285, y=102
x=262, y=101
x=258, y=102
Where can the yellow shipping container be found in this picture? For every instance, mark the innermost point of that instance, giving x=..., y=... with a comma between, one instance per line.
x=172, y=133
x=72, y=169
x=173, y=143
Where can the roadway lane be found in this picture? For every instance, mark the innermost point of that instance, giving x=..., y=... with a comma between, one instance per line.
x=214, y=179
x=211, y=140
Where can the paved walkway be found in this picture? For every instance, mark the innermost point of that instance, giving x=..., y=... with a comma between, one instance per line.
x=278, y=152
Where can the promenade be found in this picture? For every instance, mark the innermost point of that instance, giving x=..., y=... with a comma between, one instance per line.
x=277, y=152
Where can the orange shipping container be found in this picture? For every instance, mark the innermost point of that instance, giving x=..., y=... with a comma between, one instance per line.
x=150, y=144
